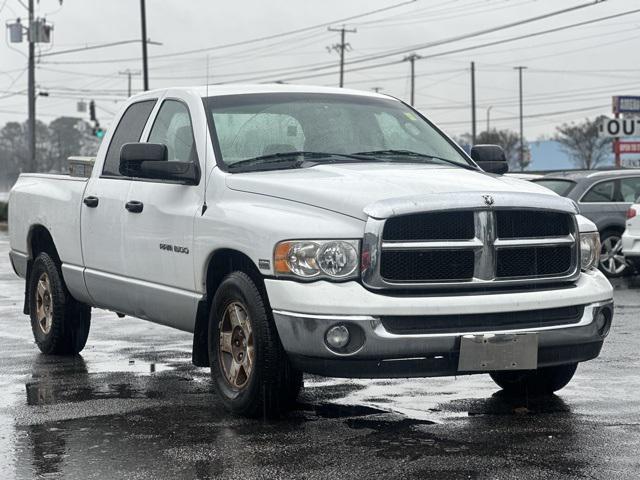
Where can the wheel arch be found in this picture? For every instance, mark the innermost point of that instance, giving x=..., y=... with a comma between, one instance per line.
x=613, y=228
x=220, y=263
x=39, y=239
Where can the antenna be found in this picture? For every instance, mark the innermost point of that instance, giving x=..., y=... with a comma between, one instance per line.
x=206, y=132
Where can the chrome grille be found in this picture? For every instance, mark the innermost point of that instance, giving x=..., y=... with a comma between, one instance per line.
x=470, y=247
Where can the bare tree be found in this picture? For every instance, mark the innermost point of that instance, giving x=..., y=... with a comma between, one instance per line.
x=582, y=142
x=63, y=137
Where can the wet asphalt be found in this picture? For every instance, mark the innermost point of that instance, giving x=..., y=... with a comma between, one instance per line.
x=132, y=406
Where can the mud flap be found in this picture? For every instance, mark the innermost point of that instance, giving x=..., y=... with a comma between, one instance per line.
x=200, y=352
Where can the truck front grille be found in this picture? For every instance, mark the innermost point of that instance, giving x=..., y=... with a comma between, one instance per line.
x=420, y=265
x=533, y=261
x=532, y=224
x=430, y=226
x=482, y=247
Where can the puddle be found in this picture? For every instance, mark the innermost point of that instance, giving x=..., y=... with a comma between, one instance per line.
x=501, y=403
x=331, y=410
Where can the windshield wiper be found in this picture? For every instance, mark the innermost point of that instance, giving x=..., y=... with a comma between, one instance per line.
x=295, y=159
x=411, y=154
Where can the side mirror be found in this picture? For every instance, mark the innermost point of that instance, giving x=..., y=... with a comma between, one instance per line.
x=149, y=160
x=490, y=158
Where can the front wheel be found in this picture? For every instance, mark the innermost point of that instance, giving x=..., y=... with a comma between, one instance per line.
x=543, y=381
x=60, y=323
x=250, y=369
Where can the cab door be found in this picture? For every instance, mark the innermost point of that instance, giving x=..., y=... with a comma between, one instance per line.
x=102, y=215
x=159, y=231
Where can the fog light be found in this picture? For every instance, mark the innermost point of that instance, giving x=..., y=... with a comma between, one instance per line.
x=338, y=336
x=603, y=322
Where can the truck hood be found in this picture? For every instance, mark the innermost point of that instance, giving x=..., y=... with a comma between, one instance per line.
x=349, y=188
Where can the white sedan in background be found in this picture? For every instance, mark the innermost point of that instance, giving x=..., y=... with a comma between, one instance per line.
x=631, y=237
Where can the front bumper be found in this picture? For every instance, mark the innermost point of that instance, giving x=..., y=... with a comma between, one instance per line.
x=304, y=312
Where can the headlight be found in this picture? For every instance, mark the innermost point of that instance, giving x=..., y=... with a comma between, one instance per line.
x=589, y=250
x=333, y=259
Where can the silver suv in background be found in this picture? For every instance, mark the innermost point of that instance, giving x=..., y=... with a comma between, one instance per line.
x=603, y=197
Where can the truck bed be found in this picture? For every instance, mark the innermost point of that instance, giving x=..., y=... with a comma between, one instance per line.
x=52, y=201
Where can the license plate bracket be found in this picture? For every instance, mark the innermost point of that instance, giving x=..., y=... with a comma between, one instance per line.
x=491, y=352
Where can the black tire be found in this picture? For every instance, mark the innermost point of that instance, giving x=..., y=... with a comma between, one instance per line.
x=67, y=328
x=543, y=381
x=612, y=262
x=272, y=386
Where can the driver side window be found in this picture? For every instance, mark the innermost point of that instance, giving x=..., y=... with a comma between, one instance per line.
x=172, y=127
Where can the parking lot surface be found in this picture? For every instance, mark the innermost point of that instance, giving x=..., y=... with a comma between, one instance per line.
x=132, y=406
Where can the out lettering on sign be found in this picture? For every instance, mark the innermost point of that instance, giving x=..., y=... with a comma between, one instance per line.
x=620, y=127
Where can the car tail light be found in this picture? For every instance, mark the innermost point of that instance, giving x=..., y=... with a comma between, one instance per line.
x=631, y=213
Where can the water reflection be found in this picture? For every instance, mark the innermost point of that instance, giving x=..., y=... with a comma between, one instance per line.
x=188, y=435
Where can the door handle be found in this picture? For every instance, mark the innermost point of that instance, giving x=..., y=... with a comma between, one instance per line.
x=134, y=206
x=91, y=202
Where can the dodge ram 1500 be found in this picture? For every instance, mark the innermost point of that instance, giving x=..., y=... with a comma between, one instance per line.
x=304, y=229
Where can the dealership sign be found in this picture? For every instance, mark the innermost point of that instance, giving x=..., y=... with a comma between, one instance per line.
x=627, y=147
x=626, y=104
x=620, y=127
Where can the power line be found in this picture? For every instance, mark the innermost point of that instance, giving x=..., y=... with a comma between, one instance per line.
x=480, y=32
x=92, y=47
x=452, y=40
x=257, y=39
x=534, y=115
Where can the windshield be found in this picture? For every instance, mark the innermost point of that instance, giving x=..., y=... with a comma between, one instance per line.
x=290, y=130
x=561, y=187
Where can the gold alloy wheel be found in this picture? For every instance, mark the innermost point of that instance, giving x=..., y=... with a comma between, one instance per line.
x=44, y=304
x=236, y=351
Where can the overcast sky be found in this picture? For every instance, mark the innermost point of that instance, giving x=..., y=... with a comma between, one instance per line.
x=571, y=74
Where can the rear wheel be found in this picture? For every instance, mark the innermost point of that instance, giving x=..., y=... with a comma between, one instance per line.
x=543, y=381
x=612, y=261
x=60, y=324
x=250, y=369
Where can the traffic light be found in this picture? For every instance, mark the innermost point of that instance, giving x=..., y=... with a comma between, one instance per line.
x=98, y=132
x=95, y=130
x=92, y=111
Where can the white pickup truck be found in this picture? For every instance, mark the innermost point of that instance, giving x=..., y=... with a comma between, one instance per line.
x=304, y=229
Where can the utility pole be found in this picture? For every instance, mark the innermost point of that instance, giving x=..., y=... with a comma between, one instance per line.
x=473, y=102
x=520, y=69
x=412, y=59
x=129, y=73
x=340, y=48
x=145, y=65
x=38, y=31
x=488, y=116
x=31, y=92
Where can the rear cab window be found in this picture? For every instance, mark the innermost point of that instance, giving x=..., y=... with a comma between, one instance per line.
x=173, y=127
x=129, y=130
